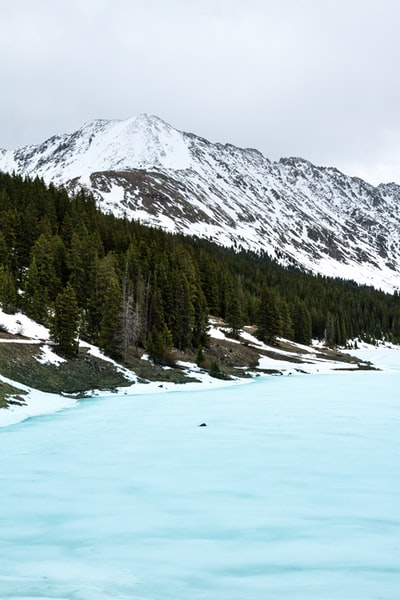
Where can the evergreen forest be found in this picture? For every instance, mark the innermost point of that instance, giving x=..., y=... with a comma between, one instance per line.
x=126, y=287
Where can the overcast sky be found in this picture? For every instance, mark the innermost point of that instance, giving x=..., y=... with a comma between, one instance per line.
x=312, y=78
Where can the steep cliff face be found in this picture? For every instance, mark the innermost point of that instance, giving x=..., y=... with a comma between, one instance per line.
x=313, y=217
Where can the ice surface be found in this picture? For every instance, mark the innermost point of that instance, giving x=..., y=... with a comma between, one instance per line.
x=292, y=491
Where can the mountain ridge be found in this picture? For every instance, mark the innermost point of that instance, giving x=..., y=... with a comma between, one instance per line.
x=316, y=218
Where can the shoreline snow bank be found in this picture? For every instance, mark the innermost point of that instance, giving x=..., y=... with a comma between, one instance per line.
x=37, y=403
x=41, y=403
x=385, y=357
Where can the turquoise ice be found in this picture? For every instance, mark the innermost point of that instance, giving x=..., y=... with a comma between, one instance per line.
x=292, y=491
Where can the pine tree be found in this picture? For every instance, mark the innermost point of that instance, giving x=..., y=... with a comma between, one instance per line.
x=301, y=323
x=286, y=320
x=200, y=335
x=65, y=321
x=209, y=281
x=182, y=315
x=128, y=316
x=269, y=325
x=77, y=275
x=35, y=298
x=160, y=339
x=330, y=330
x=45, y=255
x=234, y=310
x=8, y=292
x=109, y=297
x=5, y=257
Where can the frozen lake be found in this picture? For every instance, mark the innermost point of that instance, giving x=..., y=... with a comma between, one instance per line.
x=292, y=491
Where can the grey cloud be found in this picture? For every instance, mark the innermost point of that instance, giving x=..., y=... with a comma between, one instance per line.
x=308, y=78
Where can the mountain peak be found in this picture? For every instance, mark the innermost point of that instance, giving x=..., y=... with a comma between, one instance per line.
x=303, y=215
x=140, y=142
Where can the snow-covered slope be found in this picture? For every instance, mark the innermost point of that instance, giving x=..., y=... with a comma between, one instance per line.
x=314, y=217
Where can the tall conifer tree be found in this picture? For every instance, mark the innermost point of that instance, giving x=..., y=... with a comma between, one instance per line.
x=269, y=325
x=65, y=321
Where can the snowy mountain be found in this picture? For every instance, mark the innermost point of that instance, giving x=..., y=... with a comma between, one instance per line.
x=314, y=217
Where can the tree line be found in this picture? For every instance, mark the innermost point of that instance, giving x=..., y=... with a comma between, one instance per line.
x=125, y=287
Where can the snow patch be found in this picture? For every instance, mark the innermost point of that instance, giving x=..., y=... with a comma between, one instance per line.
x=20, y=324
x=48, y=357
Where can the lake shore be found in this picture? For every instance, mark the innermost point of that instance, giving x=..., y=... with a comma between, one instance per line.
x=297, y=360
x=36, y=402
